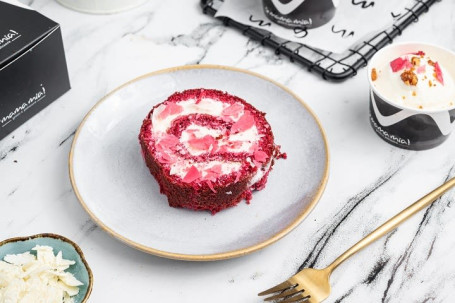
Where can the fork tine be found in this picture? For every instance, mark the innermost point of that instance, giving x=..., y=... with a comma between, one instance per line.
x=279, y=287
x=298, y=298
x=288, y=292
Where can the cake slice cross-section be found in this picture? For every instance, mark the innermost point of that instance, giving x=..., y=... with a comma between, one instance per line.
x=207, y=149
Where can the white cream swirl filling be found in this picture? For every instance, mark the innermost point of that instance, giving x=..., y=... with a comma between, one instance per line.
x=198, y=140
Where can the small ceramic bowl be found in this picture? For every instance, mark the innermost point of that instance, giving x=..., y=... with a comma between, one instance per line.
x=101, y=6
x=70, y=251
x=406, y=127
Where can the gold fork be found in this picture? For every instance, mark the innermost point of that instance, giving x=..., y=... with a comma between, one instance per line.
x=312, y=285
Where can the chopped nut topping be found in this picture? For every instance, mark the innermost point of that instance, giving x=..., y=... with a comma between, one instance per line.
x=420, y=106
x=414, y=93
x=430, y=83
x=431, y=63
x=415, y=61
x=404, y=97
x=374, y=74
x=409, y=77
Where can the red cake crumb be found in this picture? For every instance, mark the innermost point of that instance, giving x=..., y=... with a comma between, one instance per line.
x=208, y=150
x=438, y=72
x=400, y=63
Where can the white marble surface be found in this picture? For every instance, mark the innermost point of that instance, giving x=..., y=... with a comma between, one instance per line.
x=369, y=180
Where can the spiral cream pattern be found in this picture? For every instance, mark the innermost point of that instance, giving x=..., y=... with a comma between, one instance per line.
x=207, y=136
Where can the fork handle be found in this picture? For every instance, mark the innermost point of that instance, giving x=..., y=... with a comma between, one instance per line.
x=393, y=223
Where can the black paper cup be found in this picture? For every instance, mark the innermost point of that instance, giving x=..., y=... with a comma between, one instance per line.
x=407, y=127
x=300, y=13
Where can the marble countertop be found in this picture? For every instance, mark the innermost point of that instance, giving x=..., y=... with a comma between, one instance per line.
x=369, y=180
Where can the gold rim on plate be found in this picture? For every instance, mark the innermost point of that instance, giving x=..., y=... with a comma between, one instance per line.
x=208, y=257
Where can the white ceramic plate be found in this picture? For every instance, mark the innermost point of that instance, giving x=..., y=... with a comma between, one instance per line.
x=116, y=188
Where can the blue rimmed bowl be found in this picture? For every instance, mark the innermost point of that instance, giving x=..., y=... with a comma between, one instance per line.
x=69, y=249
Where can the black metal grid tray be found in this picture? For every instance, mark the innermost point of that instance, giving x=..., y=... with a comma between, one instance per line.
x=331, y=66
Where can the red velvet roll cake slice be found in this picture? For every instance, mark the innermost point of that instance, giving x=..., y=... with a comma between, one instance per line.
x=207, y=149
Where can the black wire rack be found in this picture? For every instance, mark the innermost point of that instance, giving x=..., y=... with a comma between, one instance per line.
x=331, y=66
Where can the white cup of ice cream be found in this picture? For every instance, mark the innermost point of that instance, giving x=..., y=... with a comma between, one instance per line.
x=412, y=96
x=101, y=6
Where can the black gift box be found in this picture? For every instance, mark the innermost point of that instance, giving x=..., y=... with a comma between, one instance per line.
x=33, y=70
